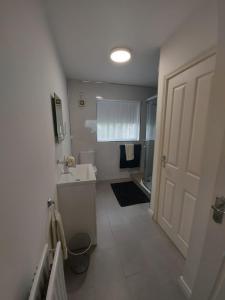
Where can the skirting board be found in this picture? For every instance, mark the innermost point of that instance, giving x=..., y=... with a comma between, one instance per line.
x=184, y=287
x=151, y=212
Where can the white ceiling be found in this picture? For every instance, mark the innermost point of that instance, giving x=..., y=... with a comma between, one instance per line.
x=86, y=30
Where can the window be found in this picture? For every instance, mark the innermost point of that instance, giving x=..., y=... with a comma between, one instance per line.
x=118, y=120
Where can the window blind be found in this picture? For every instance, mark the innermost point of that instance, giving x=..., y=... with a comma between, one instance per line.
x=118, y=120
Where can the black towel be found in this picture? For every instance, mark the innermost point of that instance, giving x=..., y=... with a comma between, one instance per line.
x=135, y=163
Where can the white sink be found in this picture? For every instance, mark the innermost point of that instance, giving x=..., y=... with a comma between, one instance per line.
x=83, y=173
x=76, y=200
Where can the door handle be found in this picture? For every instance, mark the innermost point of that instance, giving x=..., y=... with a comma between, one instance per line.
x=219, y=209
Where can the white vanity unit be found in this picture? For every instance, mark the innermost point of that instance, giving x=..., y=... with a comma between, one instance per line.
x=76, y=200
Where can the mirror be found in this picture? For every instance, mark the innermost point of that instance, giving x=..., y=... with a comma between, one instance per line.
x=59, y=128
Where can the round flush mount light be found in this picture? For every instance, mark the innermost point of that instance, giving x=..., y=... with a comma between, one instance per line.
x=120, y=55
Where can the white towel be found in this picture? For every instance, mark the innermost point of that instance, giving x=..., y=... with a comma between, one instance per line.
x=129, y=150
x=56, y=230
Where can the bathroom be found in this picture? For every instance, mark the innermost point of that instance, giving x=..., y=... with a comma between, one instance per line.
x=83, y=122
x=73, y=170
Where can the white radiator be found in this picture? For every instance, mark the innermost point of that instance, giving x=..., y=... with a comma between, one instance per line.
x=56, y=286
x=51, y=287
x=40, y=282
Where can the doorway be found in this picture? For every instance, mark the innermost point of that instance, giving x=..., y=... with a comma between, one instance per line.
x=187, y=98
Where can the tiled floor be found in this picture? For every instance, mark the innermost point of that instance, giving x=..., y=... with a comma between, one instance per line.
x=133, y=260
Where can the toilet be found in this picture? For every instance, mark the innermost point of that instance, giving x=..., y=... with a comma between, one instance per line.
x=88, y=157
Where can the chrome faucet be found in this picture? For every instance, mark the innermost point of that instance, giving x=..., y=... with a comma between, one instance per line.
x=65, y=165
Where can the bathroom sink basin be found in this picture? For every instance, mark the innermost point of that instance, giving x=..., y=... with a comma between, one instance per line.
x=76, y=193
x=83, y=173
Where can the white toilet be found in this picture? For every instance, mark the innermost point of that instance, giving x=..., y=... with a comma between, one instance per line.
x=88, y=157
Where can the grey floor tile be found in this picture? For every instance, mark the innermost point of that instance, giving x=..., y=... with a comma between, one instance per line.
x=106, y=267
x=117, y=218
x=83, y=294
x=81, y=283
x=143, y=286
x=105, y=237
x=124, y=235
x=113, y=291
x=134, y=258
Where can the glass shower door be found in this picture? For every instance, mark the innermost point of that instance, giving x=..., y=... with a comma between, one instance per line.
x=149, y=142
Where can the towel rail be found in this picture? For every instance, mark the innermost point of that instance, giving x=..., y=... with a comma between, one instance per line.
x=56, y=287
x=50, y=202
x=41, y=276
x=49, y=283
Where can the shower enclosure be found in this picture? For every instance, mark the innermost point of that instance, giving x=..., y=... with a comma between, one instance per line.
x=149, y=141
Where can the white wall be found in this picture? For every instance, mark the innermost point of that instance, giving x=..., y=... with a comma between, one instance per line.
x=29, y=72
x=196, y=36
x=213, y=183
x=107, y=153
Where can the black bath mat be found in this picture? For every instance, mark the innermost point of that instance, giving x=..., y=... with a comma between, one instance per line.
x=128, y=193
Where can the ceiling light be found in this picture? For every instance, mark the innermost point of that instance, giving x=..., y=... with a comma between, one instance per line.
x=120, y=55
x=99, y=97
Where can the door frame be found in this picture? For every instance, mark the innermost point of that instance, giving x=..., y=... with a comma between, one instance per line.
x=160, y=135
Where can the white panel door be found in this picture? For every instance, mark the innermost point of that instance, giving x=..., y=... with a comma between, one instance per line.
x=187, y=100
x=210, y=281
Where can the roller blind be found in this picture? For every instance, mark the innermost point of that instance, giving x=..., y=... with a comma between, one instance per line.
x=118, y=120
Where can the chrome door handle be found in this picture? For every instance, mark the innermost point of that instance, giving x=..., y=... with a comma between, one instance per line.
x=219, y=210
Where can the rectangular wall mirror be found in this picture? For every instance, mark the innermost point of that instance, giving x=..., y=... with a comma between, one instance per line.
x=59, y=128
